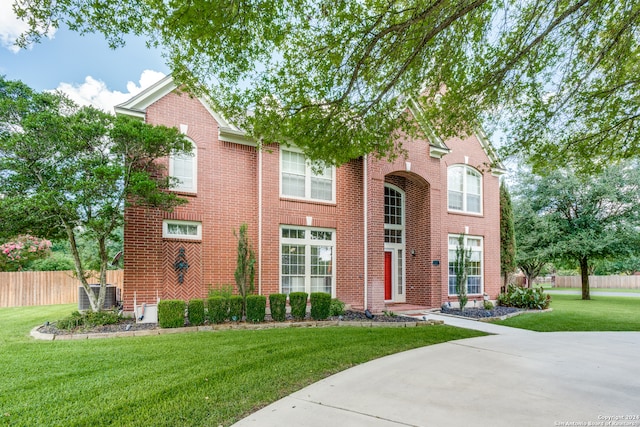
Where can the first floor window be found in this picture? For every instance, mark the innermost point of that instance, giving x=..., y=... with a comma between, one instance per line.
x=191, y=230
x=473, y=267
x=307, y=257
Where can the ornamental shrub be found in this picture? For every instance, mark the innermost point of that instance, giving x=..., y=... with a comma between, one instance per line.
x=320, y=304
x=298, y=303
x=256, y=308
x=218, y=309
x=336, y=308
x=278, y=306
x=195, y=312
x=171, y=313
x=235, y=308
x=532, y=298
x=88, y=319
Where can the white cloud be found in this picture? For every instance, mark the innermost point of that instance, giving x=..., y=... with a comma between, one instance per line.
x=11, y=27
x=95, y=92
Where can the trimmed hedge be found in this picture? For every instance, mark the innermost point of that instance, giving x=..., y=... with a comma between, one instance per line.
x=171, y=313
x=218, y=307
x=320, y=304
x=298, y=303
x=278, y=306
x=195, y=312
x=235, y=308
x=256, y=308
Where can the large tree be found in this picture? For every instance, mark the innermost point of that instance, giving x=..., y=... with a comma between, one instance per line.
x=333, y=76
x=532, y=232
x=587, y=217
x=66, y=171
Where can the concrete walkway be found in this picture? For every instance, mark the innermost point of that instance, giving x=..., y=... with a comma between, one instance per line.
x=513, y=378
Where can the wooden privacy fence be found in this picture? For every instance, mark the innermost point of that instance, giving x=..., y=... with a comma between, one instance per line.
x=45, y=287
x=609, y=282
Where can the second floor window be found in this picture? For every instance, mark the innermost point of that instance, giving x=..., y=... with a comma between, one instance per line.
x=184, y=167
x=300, y=180
x=465, y=189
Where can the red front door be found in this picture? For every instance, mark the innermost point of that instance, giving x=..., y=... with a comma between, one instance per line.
x=387, y=275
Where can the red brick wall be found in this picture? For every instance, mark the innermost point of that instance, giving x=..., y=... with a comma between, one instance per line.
x=230, y=179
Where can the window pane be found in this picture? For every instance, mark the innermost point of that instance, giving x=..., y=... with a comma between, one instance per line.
x=454, y=178
x=473, y=182
x=455, y=200
x=292, y=185
x=183, y=166
x=321, y=235
x=473, y=203
x=321, y=284
x=293, y=162
x=400, y=273
x=321, y=189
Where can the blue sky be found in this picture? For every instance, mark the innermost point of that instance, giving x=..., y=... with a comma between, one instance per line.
x=82, y=66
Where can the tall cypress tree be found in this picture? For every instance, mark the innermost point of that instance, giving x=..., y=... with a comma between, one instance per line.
x=507, y=235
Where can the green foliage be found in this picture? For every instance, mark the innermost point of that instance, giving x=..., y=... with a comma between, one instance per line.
x=88, y=319
x=245, y=267
x=298, y=303
x=256, y=308
x=64, y=174
x=507, y=235
x=344, y=69
x=487, y=305
x=460, y=269
x=336, y=308
x=171, y=313
x=320, y=305
x=389, y=313
x=530, y=298
x=195, y=312
x=221, y=291
x=278, y=307
x=235, y=308
x=217, y=308
x=582, y=218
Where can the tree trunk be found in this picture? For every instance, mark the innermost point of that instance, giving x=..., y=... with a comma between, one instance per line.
x=584, y=271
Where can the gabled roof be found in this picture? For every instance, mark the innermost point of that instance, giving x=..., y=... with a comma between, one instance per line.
x=137, y=107
x=438, y=148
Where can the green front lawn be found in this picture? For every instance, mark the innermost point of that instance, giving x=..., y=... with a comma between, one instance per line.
x=189, y=379
x=570, y=313
x=579, y=290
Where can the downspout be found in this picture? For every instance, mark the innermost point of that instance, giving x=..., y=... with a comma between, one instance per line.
x=259, y=220
x=365, y=202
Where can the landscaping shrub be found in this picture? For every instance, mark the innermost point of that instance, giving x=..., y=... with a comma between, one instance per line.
x=533, y=298
x=195, y=312
x=320, y=304
x=88, y=319
x=235, y=308
x=218, y=309
x=488, y=305
x=171, y=313
x=298, y=303
x=256, y=308
x=336, y=308
x=278, y=306
x=224, y=291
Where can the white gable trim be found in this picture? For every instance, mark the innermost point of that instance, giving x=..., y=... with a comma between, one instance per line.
x=137, y=107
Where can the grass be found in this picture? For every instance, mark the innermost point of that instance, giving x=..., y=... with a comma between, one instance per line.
x=204, y=378
x=633, y=291
x=570, y=313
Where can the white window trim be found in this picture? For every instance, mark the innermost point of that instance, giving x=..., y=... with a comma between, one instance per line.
x=481, y=250
x=307, y=180
x=179, y=187
x=307, y=242
x=464, y=190
x=166, y=235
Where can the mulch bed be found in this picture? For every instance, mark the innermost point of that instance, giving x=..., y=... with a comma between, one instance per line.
x=480, y=313
x=129, y=324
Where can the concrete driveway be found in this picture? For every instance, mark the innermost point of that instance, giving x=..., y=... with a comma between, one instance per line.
x=514, y=378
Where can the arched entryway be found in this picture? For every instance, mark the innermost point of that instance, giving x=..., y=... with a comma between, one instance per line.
x=407, y=240
x=394, y=244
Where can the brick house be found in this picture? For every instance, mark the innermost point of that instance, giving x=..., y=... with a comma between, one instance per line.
x=371, y=232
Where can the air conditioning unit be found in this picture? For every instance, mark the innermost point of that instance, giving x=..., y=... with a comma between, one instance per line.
x=110, y=299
